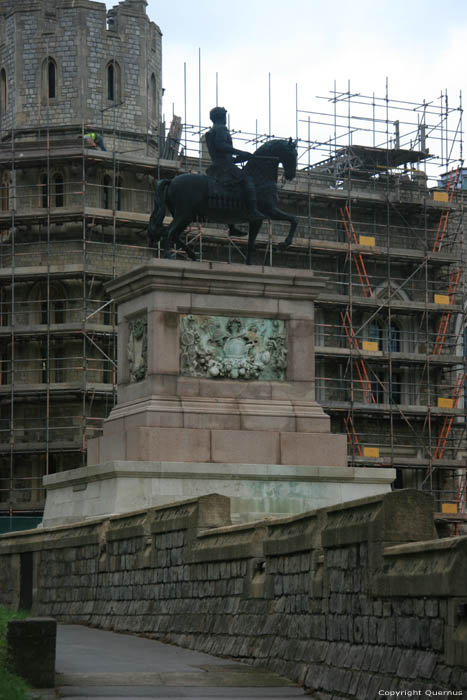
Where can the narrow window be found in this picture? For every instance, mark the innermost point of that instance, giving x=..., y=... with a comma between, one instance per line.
x=394, y=338
x=51, y=75
x=5, y=355
x=377, y=386
x=153, y=97
x=44, y=309
x=113, y=78
x=395, y=388
x=59, y=311
x=376, y=334
x=3, y=91
x=106, y=190
x=5, y=192
x=58, y=360
x=118, y=193
x=111, y=82
x=44, y=191
x=59, y=189
x=44, y=367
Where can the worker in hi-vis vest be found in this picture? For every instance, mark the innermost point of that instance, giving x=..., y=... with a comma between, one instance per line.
x=93, y=140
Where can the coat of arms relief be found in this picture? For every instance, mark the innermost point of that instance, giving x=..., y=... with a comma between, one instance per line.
x=232, y=347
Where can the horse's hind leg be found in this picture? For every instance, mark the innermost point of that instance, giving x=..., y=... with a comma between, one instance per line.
x=176, y=228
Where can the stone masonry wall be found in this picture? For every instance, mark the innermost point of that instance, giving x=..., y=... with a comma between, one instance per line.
x=350, y=601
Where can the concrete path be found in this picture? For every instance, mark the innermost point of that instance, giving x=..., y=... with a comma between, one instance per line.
x=93, y=664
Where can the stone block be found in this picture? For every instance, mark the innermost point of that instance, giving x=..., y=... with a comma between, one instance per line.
x=168, y=444
x=313, y=449
x=215, y=421
x=230, y=389
x=113, y=447
x=31, y=650
x=268, y=422
x=245, y=446
x=316, y=424
x=291, y=391
x=154, y=418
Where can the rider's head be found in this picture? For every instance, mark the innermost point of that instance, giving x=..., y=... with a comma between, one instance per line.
x=218, y=115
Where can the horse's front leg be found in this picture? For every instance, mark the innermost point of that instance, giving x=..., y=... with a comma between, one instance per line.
x=278, y=215
x=253, y=231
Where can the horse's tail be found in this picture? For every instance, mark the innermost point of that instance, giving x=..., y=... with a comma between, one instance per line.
x=156, y=228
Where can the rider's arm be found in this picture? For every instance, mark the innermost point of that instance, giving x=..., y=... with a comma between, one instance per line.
x=223, y=146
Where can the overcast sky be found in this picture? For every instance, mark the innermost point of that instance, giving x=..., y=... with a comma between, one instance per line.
x=420, y=46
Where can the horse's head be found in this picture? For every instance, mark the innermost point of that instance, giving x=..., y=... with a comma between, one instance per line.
x=272, y=153
x=289, y=158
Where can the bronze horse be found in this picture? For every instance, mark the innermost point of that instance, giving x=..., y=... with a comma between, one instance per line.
x=187, y=197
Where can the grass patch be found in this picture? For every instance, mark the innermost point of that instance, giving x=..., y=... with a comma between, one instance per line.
x=11, y=687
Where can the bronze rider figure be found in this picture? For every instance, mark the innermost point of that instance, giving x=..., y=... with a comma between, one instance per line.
x=224, y=156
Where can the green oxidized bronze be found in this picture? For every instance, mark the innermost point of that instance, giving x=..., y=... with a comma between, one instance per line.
x=137, y=348
x=232, y=348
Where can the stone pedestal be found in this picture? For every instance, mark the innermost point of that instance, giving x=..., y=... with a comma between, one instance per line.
x=216, y=368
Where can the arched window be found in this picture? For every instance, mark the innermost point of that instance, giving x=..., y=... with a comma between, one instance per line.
x=110, y=82
x=153, y=97
x=113, y=81
x=58, y=190
x=106, y=192
x=44, y=191
x=52, y=76
x=49, y=79
x=3, y=91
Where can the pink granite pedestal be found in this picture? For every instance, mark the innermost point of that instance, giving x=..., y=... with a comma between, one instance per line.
x=166, y=416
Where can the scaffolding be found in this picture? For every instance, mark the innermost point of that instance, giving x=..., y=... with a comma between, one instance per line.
x=379, y=194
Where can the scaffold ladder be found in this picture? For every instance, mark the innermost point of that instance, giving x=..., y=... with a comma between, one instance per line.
x=359, y=362
x=358, y=258
x=448, y=421
x=352, y=435
x=446, y=315
x=443, y=222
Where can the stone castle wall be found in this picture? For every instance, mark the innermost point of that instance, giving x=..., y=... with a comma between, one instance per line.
x=348, y=600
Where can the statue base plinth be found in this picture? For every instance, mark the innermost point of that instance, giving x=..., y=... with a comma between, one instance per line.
x=255, y=490
x=216, y=394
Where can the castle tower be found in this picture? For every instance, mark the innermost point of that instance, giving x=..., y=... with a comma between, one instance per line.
x=68, y=65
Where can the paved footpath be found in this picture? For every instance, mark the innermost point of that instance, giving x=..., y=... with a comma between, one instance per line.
x=93, y=664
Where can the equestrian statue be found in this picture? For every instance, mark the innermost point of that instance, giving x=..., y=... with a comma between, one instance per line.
x=226, y=194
